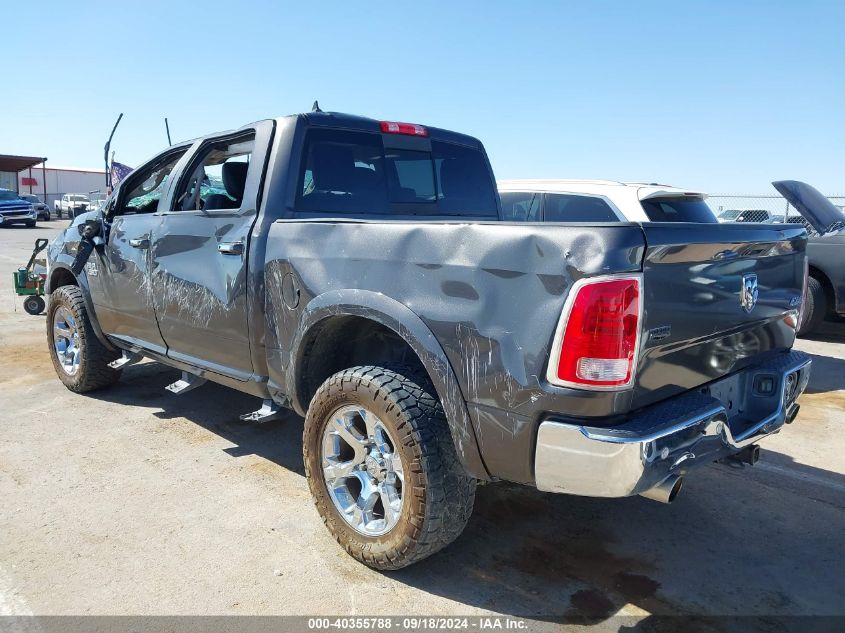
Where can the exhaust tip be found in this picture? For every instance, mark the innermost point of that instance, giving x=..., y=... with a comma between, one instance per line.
x=676, y=489
x=666, y=491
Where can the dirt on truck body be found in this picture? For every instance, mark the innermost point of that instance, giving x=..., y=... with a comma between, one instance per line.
x=357, y=272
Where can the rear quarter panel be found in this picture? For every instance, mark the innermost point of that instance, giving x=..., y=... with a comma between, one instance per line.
x=490, y=294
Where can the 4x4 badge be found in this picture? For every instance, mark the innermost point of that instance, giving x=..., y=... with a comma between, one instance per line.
x=748, y=294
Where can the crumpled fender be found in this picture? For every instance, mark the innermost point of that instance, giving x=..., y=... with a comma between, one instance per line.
x=399, y=318
x=60, y=258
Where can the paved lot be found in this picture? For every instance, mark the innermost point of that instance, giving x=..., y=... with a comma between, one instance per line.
x=135, y=501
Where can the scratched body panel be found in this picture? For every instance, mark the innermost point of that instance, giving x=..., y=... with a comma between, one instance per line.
x=490, y=294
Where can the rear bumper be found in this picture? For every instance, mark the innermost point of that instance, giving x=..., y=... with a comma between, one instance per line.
x=671, y=437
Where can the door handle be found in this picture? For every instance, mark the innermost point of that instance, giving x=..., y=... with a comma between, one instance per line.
x=231, y=248
x=140, y=242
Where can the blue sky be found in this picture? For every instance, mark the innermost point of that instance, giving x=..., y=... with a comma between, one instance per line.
x=720, y=96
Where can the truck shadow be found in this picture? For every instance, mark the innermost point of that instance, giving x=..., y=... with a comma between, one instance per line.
x=215, y=408
x=827, y=374
x=762, y=548
x=754, y=551
x=830, y=331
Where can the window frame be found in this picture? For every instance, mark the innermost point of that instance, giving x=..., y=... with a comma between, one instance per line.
x=118, y=201
x=196, y=156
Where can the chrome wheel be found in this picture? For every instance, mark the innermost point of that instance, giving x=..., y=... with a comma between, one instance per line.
x=66, y=340
x=363, y=471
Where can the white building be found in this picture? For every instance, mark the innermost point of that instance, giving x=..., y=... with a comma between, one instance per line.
x=59, y=181
x=32, y=174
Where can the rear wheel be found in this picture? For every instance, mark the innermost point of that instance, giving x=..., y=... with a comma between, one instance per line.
x=81, y=361
x=382, y=467
x=815, y=307
x=33, y=304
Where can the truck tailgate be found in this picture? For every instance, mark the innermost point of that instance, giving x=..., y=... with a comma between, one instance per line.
x=716, y=298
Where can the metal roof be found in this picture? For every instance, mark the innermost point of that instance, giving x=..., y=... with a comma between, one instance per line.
x=9, y=162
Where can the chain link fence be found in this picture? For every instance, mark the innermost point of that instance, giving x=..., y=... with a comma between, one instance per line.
x=751, y=208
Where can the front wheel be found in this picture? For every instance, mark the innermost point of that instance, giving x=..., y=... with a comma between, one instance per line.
x=382, y=467
x=81, y=361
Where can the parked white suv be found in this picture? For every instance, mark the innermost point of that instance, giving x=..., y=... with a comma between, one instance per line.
x=600, y=201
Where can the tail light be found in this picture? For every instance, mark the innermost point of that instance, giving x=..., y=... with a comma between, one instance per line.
x=411, y=129
x=598, y=335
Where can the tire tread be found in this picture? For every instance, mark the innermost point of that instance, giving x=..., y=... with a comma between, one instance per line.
x=94, y=373
x=436, y=479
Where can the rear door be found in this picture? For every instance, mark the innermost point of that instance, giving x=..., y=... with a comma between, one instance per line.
x=200, y=252
x=716, y=297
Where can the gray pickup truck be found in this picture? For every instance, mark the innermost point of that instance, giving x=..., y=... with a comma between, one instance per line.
x=825, y=252
x=357, y=271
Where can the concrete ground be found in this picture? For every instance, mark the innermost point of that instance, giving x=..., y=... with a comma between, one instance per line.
x=135, y=501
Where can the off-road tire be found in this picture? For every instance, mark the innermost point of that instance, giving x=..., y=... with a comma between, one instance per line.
x=94, y=371
x=438, y=492
x=34, y=305
x=815, y=307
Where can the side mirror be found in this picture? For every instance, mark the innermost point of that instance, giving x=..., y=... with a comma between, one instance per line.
x=90, y=233
x=90, y=229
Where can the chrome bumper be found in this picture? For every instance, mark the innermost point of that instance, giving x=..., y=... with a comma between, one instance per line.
x=671, y=437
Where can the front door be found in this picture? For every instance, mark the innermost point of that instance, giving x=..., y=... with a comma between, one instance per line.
x=118, y=276
x=199, y=253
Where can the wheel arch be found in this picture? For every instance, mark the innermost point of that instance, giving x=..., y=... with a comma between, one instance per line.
x=386, y=324
x=61, y=275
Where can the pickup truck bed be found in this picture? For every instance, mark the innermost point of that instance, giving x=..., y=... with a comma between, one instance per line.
x=360, y=275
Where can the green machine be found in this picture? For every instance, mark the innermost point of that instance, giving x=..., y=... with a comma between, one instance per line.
x=30, y=284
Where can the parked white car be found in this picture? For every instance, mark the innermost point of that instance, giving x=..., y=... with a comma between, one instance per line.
x=600, y=201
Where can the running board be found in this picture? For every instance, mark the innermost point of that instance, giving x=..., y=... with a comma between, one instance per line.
x=188, y=382
x=269, y=411
x=126, y=359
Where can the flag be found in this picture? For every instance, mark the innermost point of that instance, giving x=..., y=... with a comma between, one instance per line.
x=119, y=171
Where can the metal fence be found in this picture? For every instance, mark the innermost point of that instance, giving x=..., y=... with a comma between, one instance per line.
x=751, y=208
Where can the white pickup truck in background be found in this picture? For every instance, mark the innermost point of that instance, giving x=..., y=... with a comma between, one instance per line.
x=71, y=204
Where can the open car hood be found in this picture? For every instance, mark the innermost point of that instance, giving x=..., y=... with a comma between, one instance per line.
x=819, y=212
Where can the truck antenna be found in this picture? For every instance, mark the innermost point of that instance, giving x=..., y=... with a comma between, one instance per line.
x=167, y=127
x=315, y=107
x=106, y=152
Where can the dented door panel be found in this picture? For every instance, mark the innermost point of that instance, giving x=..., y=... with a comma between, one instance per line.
x=200, y=293
x=118, y=276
